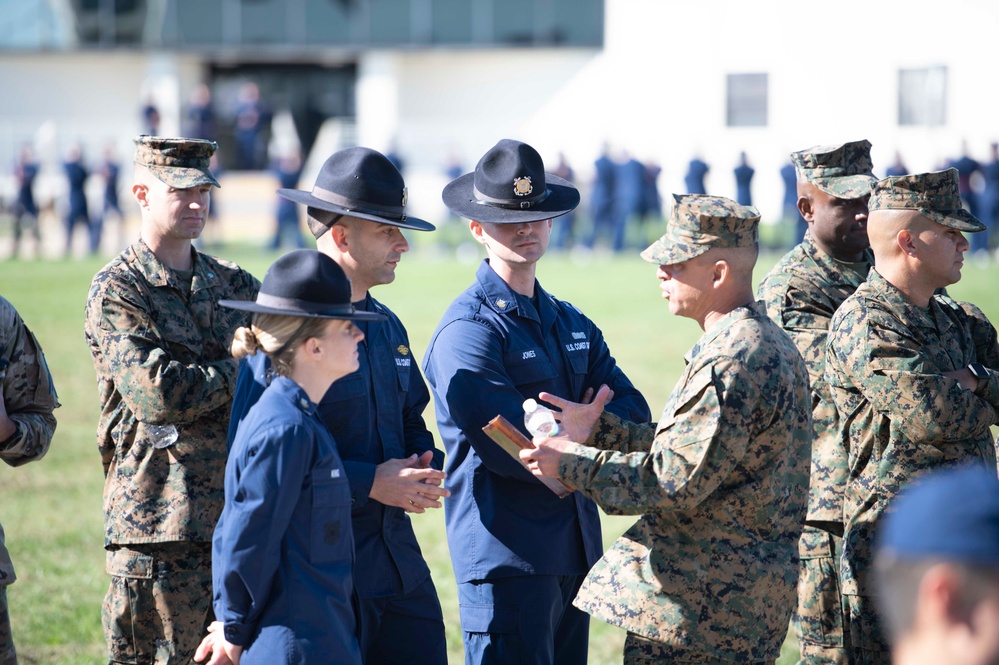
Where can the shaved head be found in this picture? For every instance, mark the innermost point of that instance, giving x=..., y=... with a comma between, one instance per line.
x=884, y=227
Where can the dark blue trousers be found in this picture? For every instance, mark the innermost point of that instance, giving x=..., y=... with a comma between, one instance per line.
x=408, y=628
x=524, y=620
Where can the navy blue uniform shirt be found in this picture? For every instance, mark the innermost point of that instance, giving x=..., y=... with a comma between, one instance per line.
x=283, y=551
x=492, y=350
x=375, y=414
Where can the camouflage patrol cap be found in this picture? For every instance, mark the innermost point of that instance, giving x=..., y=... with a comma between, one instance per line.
x=844, y=171
x=934, y=195
x=179, y=162
x=698, y=223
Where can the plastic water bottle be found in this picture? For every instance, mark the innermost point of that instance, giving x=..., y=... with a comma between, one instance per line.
x=539, y=419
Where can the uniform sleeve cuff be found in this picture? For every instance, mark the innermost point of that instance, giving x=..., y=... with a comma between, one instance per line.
x=236, y=633
x=988, y=389
x=13, y=438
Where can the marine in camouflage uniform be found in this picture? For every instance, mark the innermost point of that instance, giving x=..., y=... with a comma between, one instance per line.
x=160, y=345
x=911, y=371
x=801, y=293
x=27, y=400
x=708, y=572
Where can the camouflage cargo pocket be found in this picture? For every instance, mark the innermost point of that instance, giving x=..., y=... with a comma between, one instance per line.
x=820, y=610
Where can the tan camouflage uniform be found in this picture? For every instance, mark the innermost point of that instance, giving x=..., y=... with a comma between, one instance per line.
x=165, y=378
x=802, y=292
x=901, y=416
x=29, y=398
x=707, y=574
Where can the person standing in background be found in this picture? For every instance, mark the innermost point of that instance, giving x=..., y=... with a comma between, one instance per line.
x=25, y=209
x=697, y=170
x=743, y=181
x=27, y=424
x=78, y=211
x=802, y=292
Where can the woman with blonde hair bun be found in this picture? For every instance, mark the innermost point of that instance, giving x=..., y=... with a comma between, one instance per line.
x=283, y=550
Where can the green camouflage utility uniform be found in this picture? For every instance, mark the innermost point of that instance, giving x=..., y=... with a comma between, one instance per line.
x=165, y=378
x=901, y=416
x=898, y=414
x=708, y=572
x=29, y=398
x=802, y=292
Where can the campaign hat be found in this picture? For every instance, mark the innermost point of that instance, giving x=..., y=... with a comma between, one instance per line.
x=510, y=186
x=360, y=182
x=305, y=283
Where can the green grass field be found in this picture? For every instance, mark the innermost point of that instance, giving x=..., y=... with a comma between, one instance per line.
x=51, y=510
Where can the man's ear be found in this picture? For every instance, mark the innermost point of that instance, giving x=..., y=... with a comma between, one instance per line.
x=905, y=242
x=805, y=208
x=476, y=229
x=338, y=234
x=720, y=272
x=141, y=192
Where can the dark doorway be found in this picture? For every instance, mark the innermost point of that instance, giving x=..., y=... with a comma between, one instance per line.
x=311, y=93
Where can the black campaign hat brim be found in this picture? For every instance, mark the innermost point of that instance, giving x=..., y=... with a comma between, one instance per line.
x=251, y=306
x=307, y=199
x=460, y=200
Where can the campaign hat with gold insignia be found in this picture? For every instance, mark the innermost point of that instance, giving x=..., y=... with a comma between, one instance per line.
x=360, y=182
x=178, y=162
x=935, y=195
x=698, y=223
x=510, y=186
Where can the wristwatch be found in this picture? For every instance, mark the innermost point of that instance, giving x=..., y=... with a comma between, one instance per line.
x=978, y=371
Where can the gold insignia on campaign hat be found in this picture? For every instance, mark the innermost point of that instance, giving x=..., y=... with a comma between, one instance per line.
x=844, y=171
x=522, y=186
x=698, y=223
x=935, y=195
x=179, y=162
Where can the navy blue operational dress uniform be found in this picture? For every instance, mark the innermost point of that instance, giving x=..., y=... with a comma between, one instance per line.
x=293, y=461
x=283, y=548
x=376, y=415
x=519, y=552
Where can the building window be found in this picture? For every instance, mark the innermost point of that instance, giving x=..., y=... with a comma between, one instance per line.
x=922, y=96
x=747, y=100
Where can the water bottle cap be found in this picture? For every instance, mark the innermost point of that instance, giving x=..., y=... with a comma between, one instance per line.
x=530, y=405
